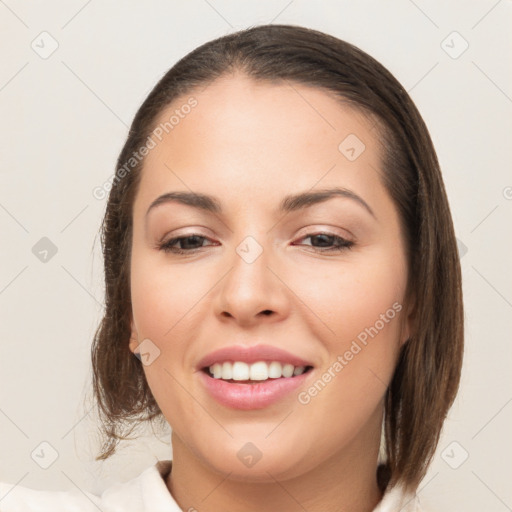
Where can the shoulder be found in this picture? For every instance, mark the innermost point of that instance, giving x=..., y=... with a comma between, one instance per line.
x=16, y=498
x=145, y=492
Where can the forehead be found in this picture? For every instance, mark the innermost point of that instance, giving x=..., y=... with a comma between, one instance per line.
x=243, y=137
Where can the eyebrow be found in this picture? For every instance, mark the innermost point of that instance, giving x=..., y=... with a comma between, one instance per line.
x=290, y=203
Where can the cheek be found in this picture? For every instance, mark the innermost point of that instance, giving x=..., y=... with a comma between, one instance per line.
x=357, y=306
x=162, y=302
x=361, y=357
x=351, y=295
x=162, y=296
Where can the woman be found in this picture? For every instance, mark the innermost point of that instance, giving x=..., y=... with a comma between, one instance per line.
x=280, y=257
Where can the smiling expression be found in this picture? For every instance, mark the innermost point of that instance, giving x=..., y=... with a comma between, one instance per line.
x=271, y=261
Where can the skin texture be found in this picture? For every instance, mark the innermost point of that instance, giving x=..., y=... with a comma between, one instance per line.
x=250, y=144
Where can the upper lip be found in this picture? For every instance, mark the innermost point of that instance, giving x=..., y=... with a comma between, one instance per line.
x=251, y=354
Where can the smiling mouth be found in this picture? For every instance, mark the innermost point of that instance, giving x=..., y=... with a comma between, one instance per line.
x=262, y=378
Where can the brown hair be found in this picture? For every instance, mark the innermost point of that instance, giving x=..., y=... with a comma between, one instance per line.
x=427, y=375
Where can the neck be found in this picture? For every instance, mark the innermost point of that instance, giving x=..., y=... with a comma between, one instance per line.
x=346, y=481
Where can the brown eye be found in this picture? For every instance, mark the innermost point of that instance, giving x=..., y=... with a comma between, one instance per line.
x=188, y=243
x=328, y=242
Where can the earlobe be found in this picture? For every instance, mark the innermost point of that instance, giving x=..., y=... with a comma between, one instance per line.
x=134, y=337
x=409, y=321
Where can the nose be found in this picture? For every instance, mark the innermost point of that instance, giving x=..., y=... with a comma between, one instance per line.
x=252, y=291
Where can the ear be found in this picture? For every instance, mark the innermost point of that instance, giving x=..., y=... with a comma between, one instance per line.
x=408, y=320
x=134, y=337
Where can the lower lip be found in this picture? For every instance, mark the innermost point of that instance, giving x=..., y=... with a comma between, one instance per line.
x=251, y=396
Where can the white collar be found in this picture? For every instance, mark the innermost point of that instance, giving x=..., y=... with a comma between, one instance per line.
x=147, y=492
x=155, y=497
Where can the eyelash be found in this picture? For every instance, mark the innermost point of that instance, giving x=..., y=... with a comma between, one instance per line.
x=342, y=244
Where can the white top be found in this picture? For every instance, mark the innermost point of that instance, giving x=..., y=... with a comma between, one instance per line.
x=145, y=493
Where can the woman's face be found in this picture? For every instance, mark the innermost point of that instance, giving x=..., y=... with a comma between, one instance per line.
x=259, y=274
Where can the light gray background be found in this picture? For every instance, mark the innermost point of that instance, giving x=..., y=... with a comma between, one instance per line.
x=64, y=119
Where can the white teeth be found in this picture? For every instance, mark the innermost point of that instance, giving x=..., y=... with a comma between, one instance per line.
x=240, y=371
x=258, y=371
x=255, y=371
x=288, y=370
x=227, y=370
x=275, y=370
x=216, y=369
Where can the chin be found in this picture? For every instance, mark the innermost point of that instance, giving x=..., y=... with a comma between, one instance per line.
x=261, y=472
x=247, y=463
